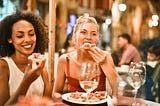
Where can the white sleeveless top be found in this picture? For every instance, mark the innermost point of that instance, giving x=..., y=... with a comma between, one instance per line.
x=16, y=76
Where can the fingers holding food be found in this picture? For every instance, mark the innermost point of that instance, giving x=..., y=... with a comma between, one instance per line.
x=87, y=46
x=36, y=63
x=36, y=59
x=97, y=54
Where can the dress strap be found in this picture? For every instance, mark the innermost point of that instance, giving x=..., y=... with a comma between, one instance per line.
x=67, y=66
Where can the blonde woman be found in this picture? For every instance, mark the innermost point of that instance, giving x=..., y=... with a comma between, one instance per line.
x=86, y=35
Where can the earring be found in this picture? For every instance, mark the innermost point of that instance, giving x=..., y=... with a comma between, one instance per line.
x=9, y=41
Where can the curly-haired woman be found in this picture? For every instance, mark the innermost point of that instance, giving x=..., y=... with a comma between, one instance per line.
x=22, y=35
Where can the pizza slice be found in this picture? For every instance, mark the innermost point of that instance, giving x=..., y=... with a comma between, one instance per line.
x=77, y=96
x=100, y=94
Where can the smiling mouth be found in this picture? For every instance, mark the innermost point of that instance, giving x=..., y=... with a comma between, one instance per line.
x=27, y=46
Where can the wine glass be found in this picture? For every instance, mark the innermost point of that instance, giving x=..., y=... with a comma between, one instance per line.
x=136, y=77
x=89, y=77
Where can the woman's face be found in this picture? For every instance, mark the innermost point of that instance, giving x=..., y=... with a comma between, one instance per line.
x=23, y=37
x=87, y=33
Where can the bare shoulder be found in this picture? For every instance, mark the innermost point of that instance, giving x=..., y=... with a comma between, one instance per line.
x=3, y=64
x=4, y=69
x=63, y=57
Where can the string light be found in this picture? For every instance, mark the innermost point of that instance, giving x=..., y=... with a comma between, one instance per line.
x=155, y=17
x=108, y=21
x=122, y=7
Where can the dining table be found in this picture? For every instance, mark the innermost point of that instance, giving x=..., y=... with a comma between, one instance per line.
x=45, y=101
x=120, y=100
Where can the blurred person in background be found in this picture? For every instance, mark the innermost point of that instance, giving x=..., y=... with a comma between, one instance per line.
x=69, y=45
x=129, y=53
x=153, y=60
x=150, y=90
x=153, y=56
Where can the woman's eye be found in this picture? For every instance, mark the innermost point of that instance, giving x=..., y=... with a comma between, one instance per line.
x=94, y=34
x=31, y=34
x=83, y=32
x=19, y=36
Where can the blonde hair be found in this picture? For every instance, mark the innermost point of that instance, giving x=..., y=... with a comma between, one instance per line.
x=82, y=20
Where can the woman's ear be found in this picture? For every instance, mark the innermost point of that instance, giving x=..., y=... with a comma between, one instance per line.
x=9, y=40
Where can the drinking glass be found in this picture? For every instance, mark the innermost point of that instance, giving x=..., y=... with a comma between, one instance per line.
x=136, y=77
x=89, y=77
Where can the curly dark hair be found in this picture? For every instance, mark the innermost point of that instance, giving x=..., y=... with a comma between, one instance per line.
x=7, y=49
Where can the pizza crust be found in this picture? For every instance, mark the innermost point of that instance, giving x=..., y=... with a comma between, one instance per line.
x=91, y=97
x=35, y=57
x=87, y=46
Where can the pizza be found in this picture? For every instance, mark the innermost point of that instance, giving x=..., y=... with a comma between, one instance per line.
x=87, y=46
x=77, y=96
x=36, y=57
x=99, y=94
x=88, y=97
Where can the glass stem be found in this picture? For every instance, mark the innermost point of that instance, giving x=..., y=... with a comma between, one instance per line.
x=134, y=99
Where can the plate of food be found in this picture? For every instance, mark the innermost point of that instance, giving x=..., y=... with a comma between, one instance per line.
x=98, y=97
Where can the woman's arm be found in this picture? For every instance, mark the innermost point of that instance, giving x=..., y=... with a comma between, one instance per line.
x=30, y=75
x=4, y=82
x=109, y=69
x=47, y=83
x=106, y=63
x=60, y=77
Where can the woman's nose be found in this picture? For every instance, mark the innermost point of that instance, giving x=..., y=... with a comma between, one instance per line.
x=88, y=36
x=26, y=38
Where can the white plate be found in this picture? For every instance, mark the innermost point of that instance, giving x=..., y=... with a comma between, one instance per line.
x=150, y=103
x=66, y=98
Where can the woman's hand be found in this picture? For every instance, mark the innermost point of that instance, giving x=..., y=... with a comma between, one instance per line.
x=34, y=68
x=106, y=63
x=31, y=74
x=97, y=54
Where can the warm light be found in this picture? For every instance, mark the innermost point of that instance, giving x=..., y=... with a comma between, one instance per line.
x=155, y=17
x=150, y=23
x=108, y=21
x=122, y=7
x=115, y=12
x=155, y=23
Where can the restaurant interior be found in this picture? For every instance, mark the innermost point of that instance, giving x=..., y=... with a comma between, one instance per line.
x=138, y=18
